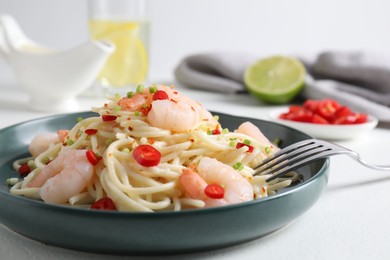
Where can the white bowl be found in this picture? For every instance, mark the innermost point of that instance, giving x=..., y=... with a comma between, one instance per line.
x=329, y=132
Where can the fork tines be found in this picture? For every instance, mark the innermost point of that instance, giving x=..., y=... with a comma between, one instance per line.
x=291, y=158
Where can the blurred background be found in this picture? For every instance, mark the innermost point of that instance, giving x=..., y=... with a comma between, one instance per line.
x=180, y=28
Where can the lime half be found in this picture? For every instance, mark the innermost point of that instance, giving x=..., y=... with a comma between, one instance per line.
x=276, y=79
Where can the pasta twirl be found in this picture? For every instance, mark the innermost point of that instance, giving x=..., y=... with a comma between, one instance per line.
x=101, y=157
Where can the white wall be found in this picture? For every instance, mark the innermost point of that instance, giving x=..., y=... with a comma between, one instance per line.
x=182, y=27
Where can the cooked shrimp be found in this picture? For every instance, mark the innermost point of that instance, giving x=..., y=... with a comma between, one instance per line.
x=253, y=131
x=177, y=117
x=41, y=142
x=237, y=188
x=136, y=102
x=175, y=96
x=67, y=175
x=62, y=134
x=178, y=113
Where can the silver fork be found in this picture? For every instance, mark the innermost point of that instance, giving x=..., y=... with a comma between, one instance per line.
x=302, y=153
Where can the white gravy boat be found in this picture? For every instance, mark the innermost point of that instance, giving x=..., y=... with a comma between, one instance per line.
x=52, y=78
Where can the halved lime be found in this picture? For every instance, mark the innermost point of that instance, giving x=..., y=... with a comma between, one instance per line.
x=275, y=79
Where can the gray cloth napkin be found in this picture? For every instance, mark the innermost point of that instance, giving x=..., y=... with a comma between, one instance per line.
x=217, y=71
x=360, y=80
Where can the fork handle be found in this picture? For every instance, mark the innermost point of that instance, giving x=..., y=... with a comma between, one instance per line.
x=372, y=166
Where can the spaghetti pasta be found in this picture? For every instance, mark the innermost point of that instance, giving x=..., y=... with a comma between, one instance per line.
x=178, y=133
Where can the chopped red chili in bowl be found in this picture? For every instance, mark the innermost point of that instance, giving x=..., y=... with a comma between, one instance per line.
x=325, y=111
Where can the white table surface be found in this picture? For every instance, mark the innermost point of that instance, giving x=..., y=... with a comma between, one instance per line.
x=350, y=221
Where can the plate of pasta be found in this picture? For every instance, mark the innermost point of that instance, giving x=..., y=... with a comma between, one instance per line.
x=148, y=173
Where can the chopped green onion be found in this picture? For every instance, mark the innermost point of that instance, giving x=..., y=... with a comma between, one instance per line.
x=246, y=141
x=79, y=119
x=209, y=132
x=31, y=164
x=152, y=89
x=267, y=149
x=238, y=166
x=216, y=117
x=118, y=96
x=140, y=88
x=136, y=113
x=126, y=150
x=232, y=144
x=117, y=108
x=277, y=141
x=225, y=131
x=108, y=141
x=145, y=105
x=45, y=160
x=69, y=142
x=130, y=94
x=12, y=181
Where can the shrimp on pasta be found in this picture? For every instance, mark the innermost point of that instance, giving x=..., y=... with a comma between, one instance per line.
x=235, y=187
x=67, y=175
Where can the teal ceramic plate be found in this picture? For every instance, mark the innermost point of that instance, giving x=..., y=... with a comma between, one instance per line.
x=151, y=233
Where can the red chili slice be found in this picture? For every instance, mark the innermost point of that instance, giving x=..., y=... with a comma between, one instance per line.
x=327, y=108
x=311, y=104
x=294, y=109
x=92, y=157
x=250, y=147
x=360, y=118
x=104, y=204
x=214, y=191
x=216, y=132
x=317, y=119
x=24, y=169
x=297, y=113
x=107, y=118
x=160, y=95
x=343, y=111
x=147, y=155
x=344, y=120
x=145, y=110
x=90, y=131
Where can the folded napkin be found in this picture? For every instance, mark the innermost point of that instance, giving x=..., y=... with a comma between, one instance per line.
x=220, y=72
x=360, y=80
